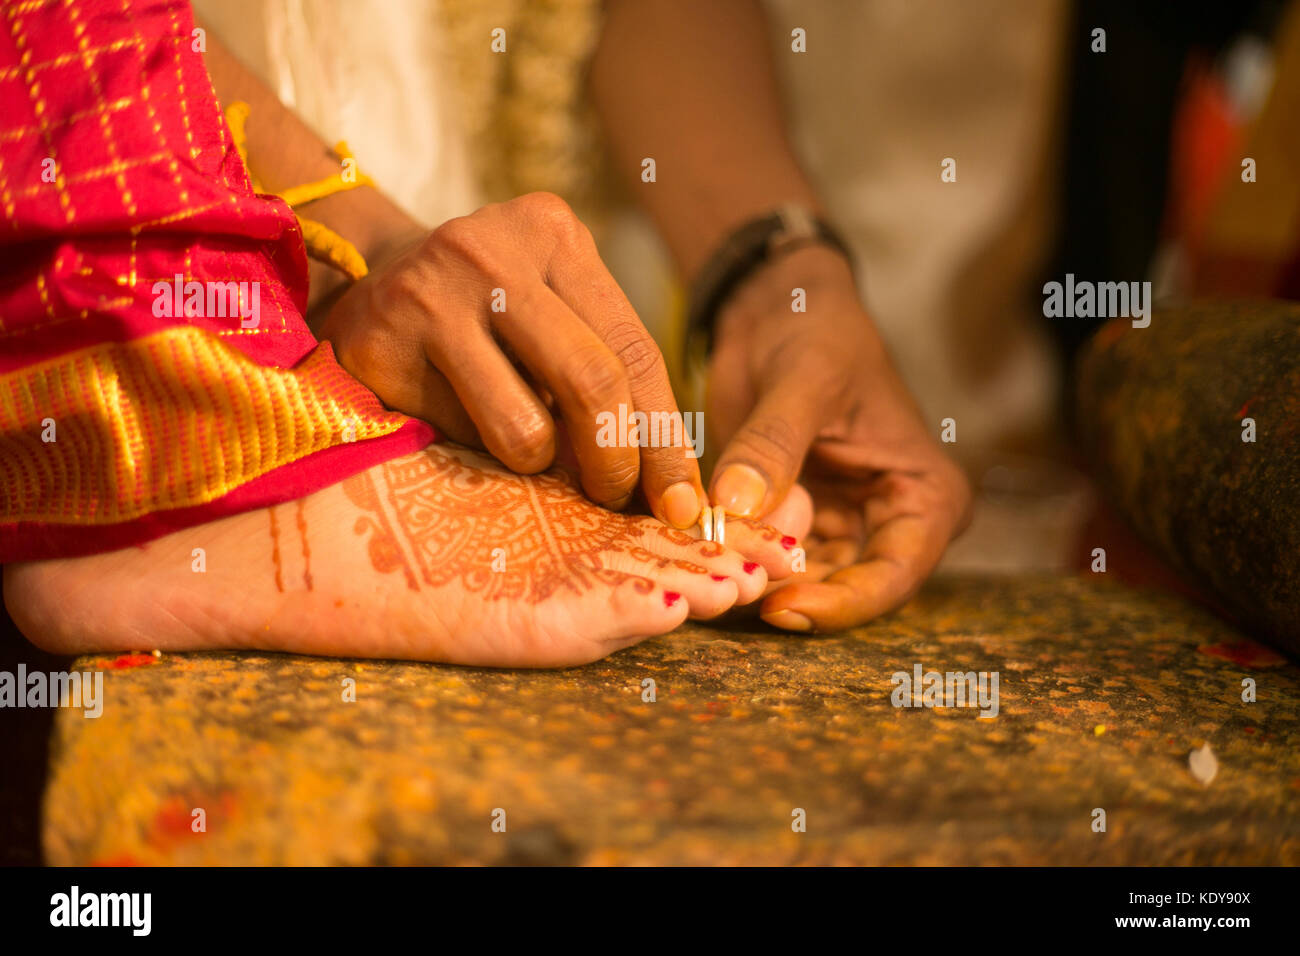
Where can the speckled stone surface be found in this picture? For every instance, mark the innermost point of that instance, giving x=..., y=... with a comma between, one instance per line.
x=1104, y=692
x=1162, y=412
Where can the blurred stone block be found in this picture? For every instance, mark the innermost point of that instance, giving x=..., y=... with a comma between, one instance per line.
x=1163, y=412
x=1103, y=696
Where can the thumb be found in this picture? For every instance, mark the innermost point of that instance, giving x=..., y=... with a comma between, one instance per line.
x=765, y=455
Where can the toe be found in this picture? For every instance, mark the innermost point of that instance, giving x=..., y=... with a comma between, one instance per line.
x=643, y=607
x=760, y=543
x=794, y=515
x=619, y=610
x=727, y=570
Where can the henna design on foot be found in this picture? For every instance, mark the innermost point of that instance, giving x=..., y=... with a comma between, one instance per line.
x=663, y=563
x=275, y=550
x=441, y=519
x=277, y=558
x=385, y=554
x=706, y=549
x=306, y=548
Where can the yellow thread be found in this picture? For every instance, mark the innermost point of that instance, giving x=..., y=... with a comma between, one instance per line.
x=297, y=196
x=327, y=246
x=323, y=244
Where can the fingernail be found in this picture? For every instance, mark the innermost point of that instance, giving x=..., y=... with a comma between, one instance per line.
x=681, y=505
x=750, y=567
x=719, y=577
x=788, y=620
x=671, y=598
x=788, y=542
x=740, y=489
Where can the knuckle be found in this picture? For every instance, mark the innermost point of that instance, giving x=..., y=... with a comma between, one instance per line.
x=614, y=499
x=402, y=286
x=619, y=477
x=546, y=207
x=577, y=236
x=596, y=378
x=464, y=239
x=820, y=382
x=453, y=233
x=556, y=217
x=637, y=352
x=614, y=482
x=365, y=352
x=528, y=436
x=772, y=438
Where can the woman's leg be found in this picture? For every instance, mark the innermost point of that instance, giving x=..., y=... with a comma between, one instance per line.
x=439, y=555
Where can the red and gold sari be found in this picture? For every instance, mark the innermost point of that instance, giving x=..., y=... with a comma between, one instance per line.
x=121, y=421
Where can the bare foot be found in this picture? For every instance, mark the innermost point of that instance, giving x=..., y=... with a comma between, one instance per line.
x=440, y=555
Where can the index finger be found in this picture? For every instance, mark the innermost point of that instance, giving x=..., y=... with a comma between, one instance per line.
x=588, y=384
x=670, y=470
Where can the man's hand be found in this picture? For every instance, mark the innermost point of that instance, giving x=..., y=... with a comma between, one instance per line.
x=819, y=384
x=492, y=322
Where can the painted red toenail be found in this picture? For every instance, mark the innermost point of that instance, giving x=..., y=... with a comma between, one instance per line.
x=750, y=567
x=788, y=542
x=719, y=577
x=671, y=598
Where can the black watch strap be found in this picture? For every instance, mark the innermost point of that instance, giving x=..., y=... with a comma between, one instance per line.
x=742, y=253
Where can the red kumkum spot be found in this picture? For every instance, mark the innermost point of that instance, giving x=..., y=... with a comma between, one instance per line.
x=173, y=819
x=789, y=542
x=719, y=577
x=750, y=567
x=131, y=660
x=1245, y=653
x=671, y=598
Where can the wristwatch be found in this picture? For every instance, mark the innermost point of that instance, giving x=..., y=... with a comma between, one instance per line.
x=743, y=252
